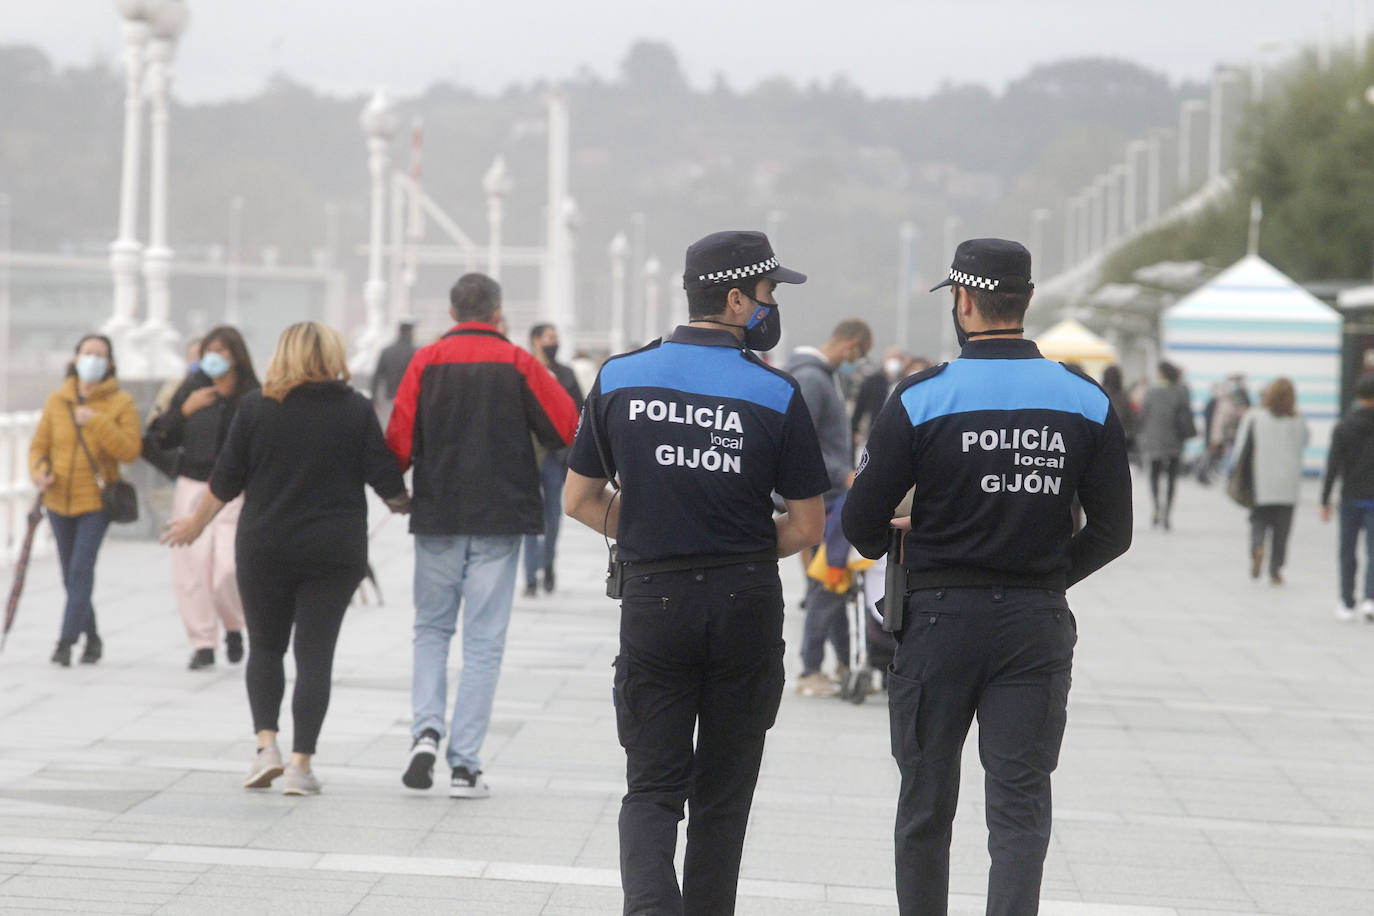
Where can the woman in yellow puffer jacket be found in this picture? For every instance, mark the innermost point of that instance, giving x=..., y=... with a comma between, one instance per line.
x=92, y=400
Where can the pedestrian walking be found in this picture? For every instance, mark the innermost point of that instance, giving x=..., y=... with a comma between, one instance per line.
x=817, y=372
x=1115, y=386
x=301, y=451
x=541, y=549
x=1277, y=437
x=465, y=416
x=88, y=426
x=1166, y=422
x=873, y=392
x=996, y=444
x=699, y=432
x=391, y=368
x=194, y=428
x=1351, y=461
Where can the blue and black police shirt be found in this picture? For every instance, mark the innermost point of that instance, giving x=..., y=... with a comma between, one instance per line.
x=700, y=432
x=996, y=443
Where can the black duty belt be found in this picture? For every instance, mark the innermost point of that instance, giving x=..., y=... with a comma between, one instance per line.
x=698, y=561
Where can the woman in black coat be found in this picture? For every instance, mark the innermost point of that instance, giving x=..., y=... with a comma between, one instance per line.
x=301, y=451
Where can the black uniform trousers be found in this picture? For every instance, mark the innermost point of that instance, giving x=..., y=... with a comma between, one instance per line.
x=700, y=650
x=1004, y=654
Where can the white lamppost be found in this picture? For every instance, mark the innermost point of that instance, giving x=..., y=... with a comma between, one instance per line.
x=572, y=222
x=1189, y=115
x=379, y=121
x=555, y=307
x=1070, y=232
x=651, y=291
x=1218, y=129
x=166, y=21
x=497, y=184
x=125, y=250
x=1040, y=216
x=618, y=250
x=1153, y=153
x=906, y=238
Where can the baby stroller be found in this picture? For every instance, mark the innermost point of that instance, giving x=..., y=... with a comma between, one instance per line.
x=870, y=647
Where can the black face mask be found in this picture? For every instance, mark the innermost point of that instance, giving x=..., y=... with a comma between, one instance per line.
x=550, y=351
x=764, y=329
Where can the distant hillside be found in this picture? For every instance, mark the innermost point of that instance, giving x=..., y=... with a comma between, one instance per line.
x=843, y=169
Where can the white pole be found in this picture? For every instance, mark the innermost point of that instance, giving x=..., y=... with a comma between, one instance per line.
x=619, y=248
x=1152, y=180
x=948, y=340
x=379, y=122
x=1040, y=216
x=906, y=237
x=157, y=332
x=5, y=247
x=235, y=255
x=497, y=184
x=1099, y=225
x=125, y=250
x=1070, y=232
x=555, y=307
x=1187, y=140
x=651, y=294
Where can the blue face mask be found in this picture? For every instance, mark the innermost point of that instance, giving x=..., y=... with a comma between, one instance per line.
x=848, y=368
x=91, y=368
x=214, y=364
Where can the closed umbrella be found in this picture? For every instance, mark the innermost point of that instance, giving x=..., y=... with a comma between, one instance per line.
x=21, y=567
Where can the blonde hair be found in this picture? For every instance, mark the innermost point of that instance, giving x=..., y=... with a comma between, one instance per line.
x=306, y=352
x=1280, y=398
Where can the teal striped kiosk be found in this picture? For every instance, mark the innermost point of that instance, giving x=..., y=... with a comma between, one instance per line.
x=1252, y=319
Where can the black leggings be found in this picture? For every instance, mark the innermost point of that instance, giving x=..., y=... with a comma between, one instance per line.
x=1168, y=466
x=277, y=596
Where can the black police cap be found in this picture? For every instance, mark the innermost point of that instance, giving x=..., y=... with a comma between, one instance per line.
x=725, y=257
x=996, y=264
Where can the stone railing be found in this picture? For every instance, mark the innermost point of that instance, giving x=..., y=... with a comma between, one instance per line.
x=16, y=490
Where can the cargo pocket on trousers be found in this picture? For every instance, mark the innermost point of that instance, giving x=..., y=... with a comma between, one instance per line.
x=753, y=706
x=904, y=710
x=627, y=725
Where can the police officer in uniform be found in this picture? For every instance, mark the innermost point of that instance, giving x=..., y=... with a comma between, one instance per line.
x=700, y=433
x=996, y=445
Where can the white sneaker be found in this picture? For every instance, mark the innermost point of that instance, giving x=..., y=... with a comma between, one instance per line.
x=266, y=766
x=1367, y=609
x=300, y=782
x=1345, y=614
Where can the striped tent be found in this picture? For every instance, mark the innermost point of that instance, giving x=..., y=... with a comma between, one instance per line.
x=1253, y=320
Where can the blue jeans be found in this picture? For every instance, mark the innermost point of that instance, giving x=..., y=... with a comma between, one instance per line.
x=449, y=568
x=1355, y=519
x=539, y=549
x=78, y=542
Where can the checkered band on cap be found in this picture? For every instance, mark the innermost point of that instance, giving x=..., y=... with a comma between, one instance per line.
x=739, y=273
x=958, y=276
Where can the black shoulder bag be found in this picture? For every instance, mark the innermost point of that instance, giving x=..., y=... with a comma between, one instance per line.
x=118, y=498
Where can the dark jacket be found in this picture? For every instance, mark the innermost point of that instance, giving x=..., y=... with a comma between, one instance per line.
x=816, y=380
x=463, y=416
x=391, y=368
x=997, y=444
x=198, y=438
x=302, y=463
x=1351, y=457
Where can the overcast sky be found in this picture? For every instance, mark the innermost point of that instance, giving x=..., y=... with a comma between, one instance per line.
x=885, y=46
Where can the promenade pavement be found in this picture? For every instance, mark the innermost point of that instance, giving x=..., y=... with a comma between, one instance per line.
x=1219, y=758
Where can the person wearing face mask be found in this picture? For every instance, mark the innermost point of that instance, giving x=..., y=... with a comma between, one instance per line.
x=195, y=426
x=817, y=371
x=874, y=389
x=996, y=444
x=553, y=467
x=88, y=406
x=700, y=433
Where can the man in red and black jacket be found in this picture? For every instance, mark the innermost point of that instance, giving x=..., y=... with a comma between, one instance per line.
x=463, y=416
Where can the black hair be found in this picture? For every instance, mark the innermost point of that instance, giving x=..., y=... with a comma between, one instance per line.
x=475, y=297
x=1000, y=306
x=1364, y=387
x=232, y=340
x=538, y=330
x=1170, y=372
x=109, y=348
x=709, y=301
x=1112, y=381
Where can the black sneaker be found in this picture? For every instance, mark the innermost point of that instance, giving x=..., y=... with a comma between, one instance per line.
x=94, y=649
x=531, y=589
x=233, y=646
x=62, y=655
x=467, y=783
x=419, y=772
x=548, y=579
x=203, y=658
